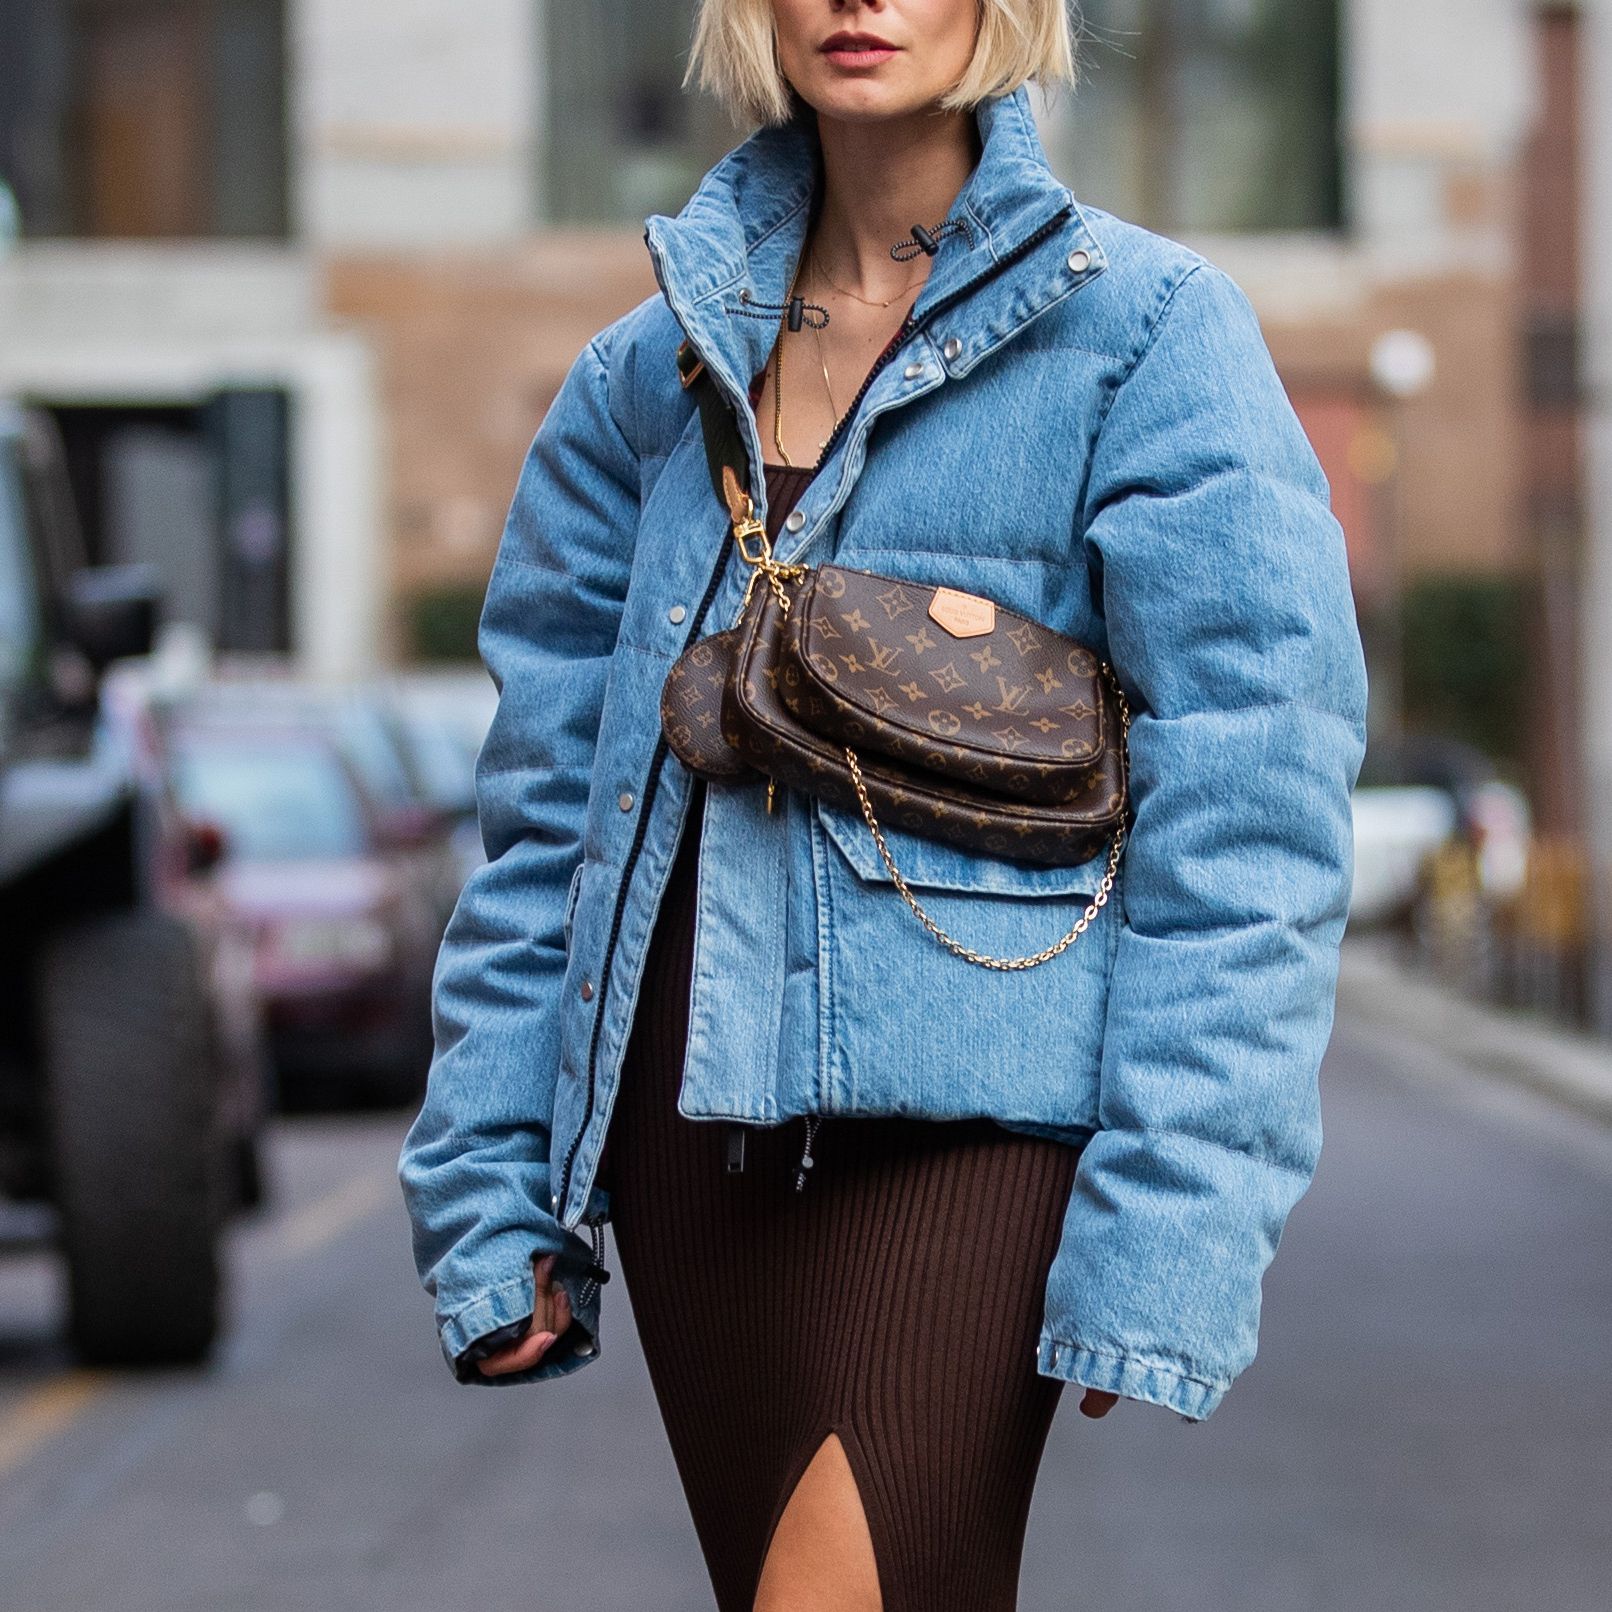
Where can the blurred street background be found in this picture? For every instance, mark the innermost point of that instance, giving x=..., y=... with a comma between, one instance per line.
x=285, y=289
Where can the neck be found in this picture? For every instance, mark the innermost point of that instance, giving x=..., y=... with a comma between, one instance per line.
x=879, y=179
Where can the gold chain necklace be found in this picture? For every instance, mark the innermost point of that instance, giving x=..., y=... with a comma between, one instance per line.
x=778, y=355
x=870, y=302
x=778, y=389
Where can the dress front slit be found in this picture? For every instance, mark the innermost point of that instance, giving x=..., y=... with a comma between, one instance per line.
x=895, y=1302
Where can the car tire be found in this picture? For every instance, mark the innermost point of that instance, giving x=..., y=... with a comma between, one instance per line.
x=402, y=1084
x=138, y=1175
x=251, y=1184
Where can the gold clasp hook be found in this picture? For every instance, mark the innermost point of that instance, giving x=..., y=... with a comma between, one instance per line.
x=751, y=530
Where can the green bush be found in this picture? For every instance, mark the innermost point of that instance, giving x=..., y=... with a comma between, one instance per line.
x=442, y=622
x=1466, y=661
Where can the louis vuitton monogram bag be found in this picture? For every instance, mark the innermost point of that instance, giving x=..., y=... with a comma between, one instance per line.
x=940, y=711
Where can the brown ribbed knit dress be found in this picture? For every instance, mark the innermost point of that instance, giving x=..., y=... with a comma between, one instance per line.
x=895, y=1301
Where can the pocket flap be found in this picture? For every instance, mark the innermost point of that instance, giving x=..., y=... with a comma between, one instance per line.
x=939, y=866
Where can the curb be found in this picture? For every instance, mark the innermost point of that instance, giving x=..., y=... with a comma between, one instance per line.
x=1574, y=1068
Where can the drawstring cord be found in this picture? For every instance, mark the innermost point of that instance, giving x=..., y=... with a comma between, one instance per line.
x=806, y=1159
x=928, y=240
x=596, y=1272
x=795, y=310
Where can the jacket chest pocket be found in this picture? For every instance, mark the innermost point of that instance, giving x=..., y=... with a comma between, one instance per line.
x=917, y=1029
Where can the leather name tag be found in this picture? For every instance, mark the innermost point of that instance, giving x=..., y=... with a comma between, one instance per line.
x=963, y=615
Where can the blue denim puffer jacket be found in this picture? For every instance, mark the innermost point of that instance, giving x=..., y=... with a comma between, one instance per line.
x=1083, y=422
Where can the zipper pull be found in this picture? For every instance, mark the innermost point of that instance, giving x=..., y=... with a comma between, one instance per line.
x=596, y=1274
x=806, y=1159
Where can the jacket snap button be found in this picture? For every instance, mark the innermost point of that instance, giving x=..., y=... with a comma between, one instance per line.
x=952, y=348
x=585, y=1347
x=587, y=990
x=624, y=801
x=1080, y=260
x=795, y=520
x=676, y=614
x=913, y=371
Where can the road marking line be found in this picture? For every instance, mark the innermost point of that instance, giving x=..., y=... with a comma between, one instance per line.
x=326, y=1218
x=48, y=1410
x=53, y=1406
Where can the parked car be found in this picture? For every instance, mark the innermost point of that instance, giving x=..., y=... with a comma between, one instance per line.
x=345, y=927
x=376, y=738
x=182, y=856
x=129, y=1108
x=445, y=717
x=1418, y=794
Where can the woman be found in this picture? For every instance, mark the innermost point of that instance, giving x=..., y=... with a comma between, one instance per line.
x=936, y=1193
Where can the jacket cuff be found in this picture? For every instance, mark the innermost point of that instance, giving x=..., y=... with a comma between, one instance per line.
x=506, y=1307
x=1189, y=1397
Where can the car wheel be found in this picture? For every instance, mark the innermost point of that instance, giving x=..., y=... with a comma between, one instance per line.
x=251, y=1185
x=139, y=1179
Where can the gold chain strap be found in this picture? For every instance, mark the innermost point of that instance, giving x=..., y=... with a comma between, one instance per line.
x=749, y=530
x=1097, y=903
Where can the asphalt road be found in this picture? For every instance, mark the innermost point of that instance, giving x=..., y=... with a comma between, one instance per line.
x=1428, y=1426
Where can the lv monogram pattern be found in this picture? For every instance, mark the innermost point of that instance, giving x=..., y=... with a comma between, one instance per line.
x=724, y=714
x=691, y=707
x=1018, y=710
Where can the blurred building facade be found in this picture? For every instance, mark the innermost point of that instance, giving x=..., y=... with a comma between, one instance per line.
x=1595, y=658
x=299, y=277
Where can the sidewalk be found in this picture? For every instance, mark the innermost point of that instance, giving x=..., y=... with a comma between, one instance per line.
x=1574, y=1068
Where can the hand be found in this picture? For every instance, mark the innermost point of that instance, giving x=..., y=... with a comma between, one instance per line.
x=551, y=1315
x=1095, y=1403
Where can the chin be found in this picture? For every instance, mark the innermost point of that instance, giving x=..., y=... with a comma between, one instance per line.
x=865, y=100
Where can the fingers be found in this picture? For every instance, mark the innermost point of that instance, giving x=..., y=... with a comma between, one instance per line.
x=1096, y=1403
x=520, y=1356
x=543, y=1273
x=553, y=1307
x=551, y=1315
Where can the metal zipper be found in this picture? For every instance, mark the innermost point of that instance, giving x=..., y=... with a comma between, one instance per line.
x=908, y=326
x=886, y=353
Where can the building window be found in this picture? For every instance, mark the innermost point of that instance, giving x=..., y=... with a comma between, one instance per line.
x=624, y=140
x=144, y=118
x=1206, y=114
x=1193, y=114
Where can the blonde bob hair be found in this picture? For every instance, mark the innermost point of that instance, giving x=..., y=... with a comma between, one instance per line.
x=735, y=54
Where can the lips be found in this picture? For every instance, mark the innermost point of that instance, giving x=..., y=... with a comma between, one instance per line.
x=848, y=49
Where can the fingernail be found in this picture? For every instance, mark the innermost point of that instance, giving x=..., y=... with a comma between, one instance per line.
x=544, y=1339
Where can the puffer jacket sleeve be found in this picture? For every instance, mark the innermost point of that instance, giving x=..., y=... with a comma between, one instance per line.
x=475, y=1166
x=1231, y=624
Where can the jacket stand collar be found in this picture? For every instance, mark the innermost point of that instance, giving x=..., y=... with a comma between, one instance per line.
x=745, y=226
